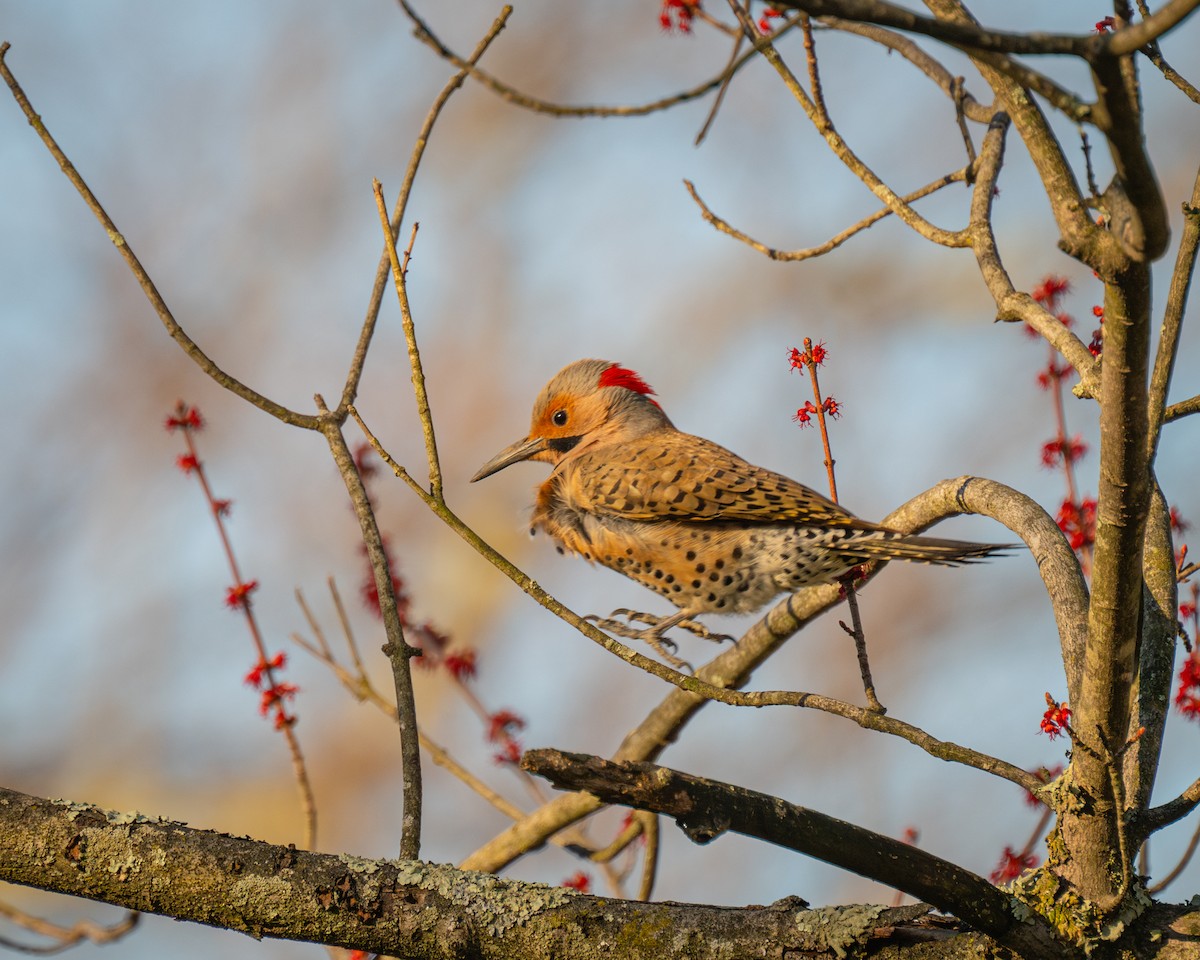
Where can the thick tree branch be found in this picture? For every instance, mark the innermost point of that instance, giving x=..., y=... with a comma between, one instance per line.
x=1137, y=213
x=1103, y=709
x=395, y=908
x=1151, y=694
x=704, y=809
x=972, y=37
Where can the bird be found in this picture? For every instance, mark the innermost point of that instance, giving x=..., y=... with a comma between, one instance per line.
x=682, y=515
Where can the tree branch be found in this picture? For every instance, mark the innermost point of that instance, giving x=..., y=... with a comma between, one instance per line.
x=1151, y=694
x=397, y=650
x=395, y=908
x=350, y=390
x=971, y=37
x=704, y=809
x=1103, y=709
x=820, y=120
x=1172, y=324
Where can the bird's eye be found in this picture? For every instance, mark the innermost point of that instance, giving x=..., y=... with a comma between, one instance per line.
x=559, y=418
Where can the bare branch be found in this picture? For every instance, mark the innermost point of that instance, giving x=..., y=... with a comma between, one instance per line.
x=918, y=57
x=1172, y=324
x=350, y=390
x=958, y=176
x=397, y=650
x=1137, y=213
x=820, y=120
x=63, y=938
x=1183, y=408
x=537, y=105
x=1154, y=54
x=1137, y=35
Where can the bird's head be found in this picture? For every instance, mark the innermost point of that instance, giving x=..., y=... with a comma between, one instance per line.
x=587, y=402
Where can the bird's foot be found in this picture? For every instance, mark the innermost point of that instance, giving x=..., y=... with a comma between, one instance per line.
x=662, y=624
x=653, y=632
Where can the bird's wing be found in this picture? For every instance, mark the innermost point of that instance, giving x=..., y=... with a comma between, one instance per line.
x=675, y=476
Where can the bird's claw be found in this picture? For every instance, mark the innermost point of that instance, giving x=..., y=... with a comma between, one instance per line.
x=665, y=623
x=625, y=628
x=652, y=633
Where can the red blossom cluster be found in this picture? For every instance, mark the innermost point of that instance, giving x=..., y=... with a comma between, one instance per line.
x=502, y=728
x=1012, y=865
x=1077, y=515
x=800, y=359
x=1107, y=25
x=1187, y=698
x=272, y=692
x=579, y=881
x=805, y=414
x=184, y=418
x=764, y=22
x=1078, y=522
x=678, y=15
x=1056, y=719
x=1061, y=450
x=237, y=597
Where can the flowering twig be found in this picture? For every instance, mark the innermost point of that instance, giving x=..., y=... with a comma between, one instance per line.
x=274, y=693
x=811, y=358
x=1076, y=515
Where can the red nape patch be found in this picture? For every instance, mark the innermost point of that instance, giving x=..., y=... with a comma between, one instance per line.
x=619, y=376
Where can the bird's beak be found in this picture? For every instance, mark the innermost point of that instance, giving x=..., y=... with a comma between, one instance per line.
x=521, y=450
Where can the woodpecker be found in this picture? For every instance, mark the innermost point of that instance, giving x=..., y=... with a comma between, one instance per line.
x=682, y=515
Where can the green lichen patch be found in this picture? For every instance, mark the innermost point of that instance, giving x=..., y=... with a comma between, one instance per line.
x=840, y=928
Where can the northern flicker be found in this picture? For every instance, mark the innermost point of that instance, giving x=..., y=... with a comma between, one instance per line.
x=681, y=515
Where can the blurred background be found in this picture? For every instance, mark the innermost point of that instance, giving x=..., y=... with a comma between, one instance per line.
x=234, y=145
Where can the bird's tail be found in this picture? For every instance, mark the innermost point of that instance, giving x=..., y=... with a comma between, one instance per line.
x=898, y=546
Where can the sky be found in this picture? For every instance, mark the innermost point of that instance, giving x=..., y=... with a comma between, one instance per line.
x=234, y=145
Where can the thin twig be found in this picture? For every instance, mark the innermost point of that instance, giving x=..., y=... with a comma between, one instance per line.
x=1172, y=324
x=814, y=73
x=64, y=937
x=958, y=176
x=1154, y=54
x=350, y=390
x=1178, y=869
x=811, y=362
x=842, y=150
x=528, y=102
x=397, y=650
x=400, y=276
